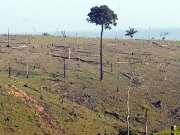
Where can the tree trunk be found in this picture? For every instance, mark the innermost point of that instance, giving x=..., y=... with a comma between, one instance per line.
x=128, y=111
x=9, y=71
x=101, y=59
x=64, y=58
x=146, y=129
x=69, y=50
x=111, y=68
x=64, y=67
x=27, y=70
x=118, y=62
x=8, y=39
x=29, y=40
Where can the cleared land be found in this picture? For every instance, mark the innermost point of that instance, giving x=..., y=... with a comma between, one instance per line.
x=80, y=104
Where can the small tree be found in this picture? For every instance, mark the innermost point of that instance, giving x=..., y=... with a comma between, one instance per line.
x=164, y=35
x=45, y=34
x=105, y=17
x=131, y=32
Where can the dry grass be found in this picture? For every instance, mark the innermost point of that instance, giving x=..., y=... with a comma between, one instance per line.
x=154, y=69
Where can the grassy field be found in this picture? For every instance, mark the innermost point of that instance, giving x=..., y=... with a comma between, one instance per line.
x=168, y=132
x=80, y=104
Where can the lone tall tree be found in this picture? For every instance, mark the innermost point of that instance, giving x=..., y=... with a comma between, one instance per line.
x=105, y=17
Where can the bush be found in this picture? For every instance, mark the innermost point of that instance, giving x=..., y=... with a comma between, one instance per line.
x=123, y=131
x=45, y=34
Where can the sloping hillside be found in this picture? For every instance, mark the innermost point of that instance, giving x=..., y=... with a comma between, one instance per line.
x=80, y=103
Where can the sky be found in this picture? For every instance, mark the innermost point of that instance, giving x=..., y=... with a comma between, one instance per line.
x=35, y=16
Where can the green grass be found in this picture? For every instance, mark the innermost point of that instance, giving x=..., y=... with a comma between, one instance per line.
x=168, y=132
x=82, y=78
x=19, y=118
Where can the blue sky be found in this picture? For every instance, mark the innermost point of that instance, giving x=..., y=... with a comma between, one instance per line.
x=29, y=16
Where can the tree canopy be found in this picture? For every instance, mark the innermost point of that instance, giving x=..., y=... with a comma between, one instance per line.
x=163, y=35
x=130, y=32
x=102, y=16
